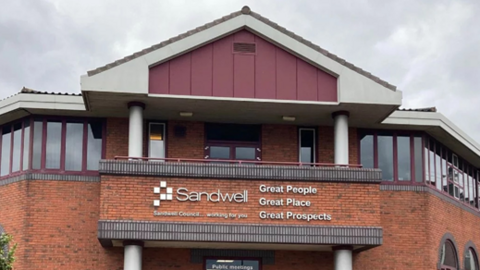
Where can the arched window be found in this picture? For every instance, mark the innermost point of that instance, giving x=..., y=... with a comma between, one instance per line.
x=448, y=257
x=471, y=259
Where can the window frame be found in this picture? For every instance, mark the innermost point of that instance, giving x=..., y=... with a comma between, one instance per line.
x=470, y=246
x=315, y=143
x=165, y=135
x=44, y=119
x=447, y=237
x=395, y=134
x=232, y=145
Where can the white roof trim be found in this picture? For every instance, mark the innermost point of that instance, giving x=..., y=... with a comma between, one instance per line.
x=433, y=119
x=41, y=101
x=132, y=76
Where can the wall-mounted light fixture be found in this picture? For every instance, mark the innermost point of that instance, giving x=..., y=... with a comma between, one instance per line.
x=288, y=118
x=186, y=114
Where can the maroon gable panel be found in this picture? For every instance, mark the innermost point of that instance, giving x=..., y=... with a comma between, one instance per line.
x=242, y=65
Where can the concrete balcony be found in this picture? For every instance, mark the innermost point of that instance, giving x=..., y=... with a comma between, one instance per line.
x=212, y=169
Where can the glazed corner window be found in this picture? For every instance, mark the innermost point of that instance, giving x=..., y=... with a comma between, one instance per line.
x=448, y=256
x=57, y=144
x=471, y=260
x=227, y=263
x=156, y=140
x=306, y=145
x=232, y=142
x=398, y=155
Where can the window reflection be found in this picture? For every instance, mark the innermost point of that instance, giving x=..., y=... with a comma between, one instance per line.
x=74, y=147
x=26, y=144
x=418, y=162
x=94, y=144
x=366, y=152
x=37, y=144
x=403, y=157
x=53, y=147
x=17, y=147
x=6, y=144
x=385, y=156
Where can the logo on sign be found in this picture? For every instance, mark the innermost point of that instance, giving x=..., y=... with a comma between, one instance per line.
x=165, y=193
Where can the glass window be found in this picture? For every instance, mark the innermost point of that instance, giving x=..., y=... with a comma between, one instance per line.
x=94, y=144
x=431, y=153
x=366, y=151
x=471, y=261
x=245, y=153
x=231, y=264
x=232, y=132
x=385, y=156
x=54, y=145
x=74, y=147
x=156, y=147
x=26, y=144
x=6, y=146
x=417, y=142
x=438, y=166
x=448, y=255
x=17, y=147
x=403, y=158
x=37, y=144
x=220, y=152
x=307, y=145
x=232, y=141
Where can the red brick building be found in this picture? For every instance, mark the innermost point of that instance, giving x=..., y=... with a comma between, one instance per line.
x=237, y=145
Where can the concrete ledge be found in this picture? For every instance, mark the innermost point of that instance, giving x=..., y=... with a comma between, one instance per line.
x=238, y=233
x=240, y=171
x=29, y=176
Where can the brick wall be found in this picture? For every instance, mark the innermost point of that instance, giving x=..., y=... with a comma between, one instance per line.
x=13, y=213
x=55, y=225
x=405, y=237
x=279, y=142
x=131, y=198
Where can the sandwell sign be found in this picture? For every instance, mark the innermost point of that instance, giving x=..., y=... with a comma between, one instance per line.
x=274, y=200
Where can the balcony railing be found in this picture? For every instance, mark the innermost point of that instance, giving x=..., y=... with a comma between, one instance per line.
x=236, y=169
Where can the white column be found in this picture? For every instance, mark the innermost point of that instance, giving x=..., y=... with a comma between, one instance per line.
x=343, y=259
x=135, y=130
x=341, y=137
x=133, y=256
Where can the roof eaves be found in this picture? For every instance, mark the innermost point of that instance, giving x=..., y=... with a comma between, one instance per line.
x=427, y=109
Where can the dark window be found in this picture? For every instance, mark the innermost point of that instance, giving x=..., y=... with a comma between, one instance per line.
x=232, y=132
x=6, y=144
x=74, y=146
x=94, y=142
x=448, y=256
x=232, y=142
x=231, y=264
x=307, y=145
x=471, y=260
x=418, y=159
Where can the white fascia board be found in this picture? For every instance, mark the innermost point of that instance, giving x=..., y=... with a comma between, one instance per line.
x=40, y=101
x=132, y=76
x=433, y=119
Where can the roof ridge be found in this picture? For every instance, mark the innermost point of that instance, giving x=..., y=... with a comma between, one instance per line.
x=247, y=11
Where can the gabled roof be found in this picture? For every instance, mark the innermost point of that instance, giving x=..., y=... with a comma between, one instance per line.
x=246, y=11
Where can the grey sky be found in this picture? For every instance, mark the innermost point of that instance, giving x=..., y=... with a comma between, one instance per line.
x=429, y=49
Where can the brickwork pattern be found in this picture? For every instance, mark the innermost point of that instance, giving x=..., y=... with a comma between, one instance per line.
x=190, y=146
x=131, y=198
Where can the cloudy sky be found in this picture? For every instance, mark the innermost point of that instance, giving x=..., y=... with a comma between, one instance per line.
x=429, y=49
